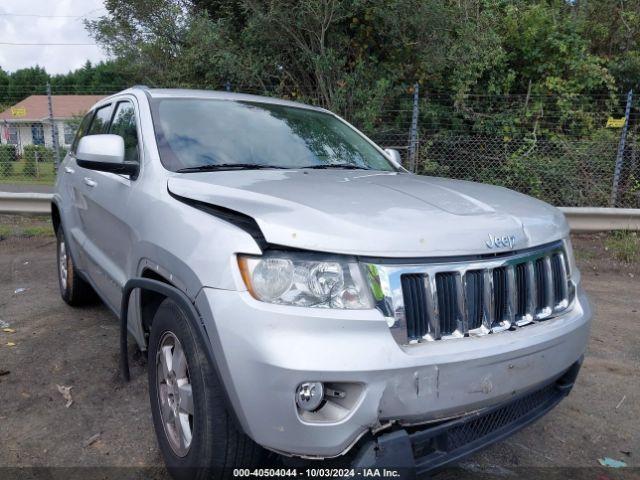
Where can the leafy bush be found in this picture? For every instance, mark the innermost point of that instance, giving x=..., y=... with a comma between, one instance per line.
x=32, y=154
x=44, y=154
x=9, y=152
x=7, y=157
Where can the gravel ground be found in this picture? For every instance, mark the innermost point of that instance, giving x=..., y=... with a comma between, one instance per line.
x=109, y=423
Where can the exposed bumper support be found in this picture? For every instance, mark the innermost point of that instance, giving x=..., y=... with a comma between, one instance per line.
x=420, y=451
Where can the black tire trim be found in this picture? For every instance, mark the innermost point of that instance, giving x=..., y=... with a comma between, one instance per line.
x=89, y=287
x=192, y=315
x=70, y=253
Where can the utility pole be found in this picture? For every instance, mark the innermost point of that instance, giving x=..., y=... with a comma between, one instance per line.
x=54, y=130
x=620, y=155
x=413, y=134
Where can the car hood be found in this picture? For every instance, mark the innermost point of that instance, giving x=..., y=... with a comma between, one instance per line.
x=376, y=213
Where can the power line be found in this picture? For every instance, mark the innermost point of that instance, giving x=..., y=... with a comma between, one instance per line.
x=48, y=44
x=36, y=15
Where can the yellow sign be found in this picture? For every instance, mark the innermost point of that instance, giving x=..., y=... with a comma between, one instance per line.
x=615, y=122
x=18, y=112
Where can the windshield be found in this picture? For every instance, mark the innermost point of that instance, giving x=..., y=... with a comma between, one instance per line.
x=196, y=133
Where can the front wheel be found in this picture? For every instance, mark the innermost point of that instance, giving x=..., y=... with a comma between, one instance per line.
x=197, y=437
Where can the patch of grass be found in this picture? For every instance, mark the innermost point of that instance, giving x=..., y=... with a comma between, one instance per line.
x=18, y=226
x=42, y=173
x=37, y=231
x=5, y=232
x=583, y=254
x=624, y=246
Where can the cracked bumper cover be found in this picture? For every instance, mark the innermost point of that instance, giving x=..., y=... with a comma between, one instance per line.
x=425, y=449
x=265, y=351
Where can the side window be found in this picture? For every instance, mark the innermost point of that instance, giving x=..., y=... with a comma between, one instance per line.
x=13, y=135
x=124, y=124
x=100, y=121
x=69, y=133
x=37, y=134
x=82, y=130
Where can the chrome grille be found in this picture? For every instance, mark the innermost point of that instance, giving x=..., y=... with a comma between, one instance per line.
x=437, y=301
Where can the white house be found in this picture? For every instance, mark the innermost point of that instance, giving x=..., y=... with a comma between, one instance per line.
x=27, y=122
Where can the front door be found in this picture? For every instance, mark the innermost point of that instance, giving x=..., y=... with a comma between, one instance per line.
x=108, y=235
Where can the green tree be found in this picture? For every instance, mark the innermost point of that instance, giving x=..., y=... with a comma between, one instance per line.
x=7, y=157
x=4, y=86
x=25, y=82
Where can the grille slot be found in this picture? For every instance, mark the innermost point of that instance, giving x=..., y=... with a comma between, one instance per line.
x=447, y=302
x=558, y=269
x=474, y=301
x=540, y=277
x=500, y=293
x=442, y=302
x=521, y=289
x=415, y=300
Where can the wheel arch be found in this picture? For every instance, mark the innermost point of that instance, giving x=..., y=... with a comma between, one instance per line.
x=167, y=290
x=55, y=217
x=144, y=303
x=150, y=301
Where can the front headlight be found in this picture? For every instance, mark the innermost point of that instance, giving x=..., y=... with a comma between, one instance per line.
x=305, y=280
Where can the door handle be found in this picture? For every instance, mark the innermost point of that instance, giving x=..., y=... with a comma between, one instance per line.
x=90, y=182
x=69, y=170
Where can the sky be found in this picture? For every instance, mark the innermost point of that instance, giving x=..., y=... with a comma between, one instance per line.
x=47, y=21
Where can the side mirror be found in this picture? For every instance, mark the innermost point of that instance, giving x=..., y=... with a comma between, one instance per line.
x=104, y=153
x=394, y=156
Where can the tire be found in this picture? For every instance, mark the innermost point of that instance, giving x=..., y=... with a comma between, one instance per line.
x=216, y=446
x=74, y=290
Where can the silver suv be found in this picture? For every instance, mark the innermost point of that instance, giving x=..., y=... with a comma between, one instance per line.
x=299, y=292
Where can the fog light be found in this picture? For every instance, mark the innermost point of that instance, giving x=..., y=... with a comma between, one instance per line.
x=309, y=396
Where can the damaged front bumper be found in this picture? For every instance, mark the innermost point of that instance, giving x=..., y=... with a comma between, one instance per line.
x=426, y=449
x=265, y=351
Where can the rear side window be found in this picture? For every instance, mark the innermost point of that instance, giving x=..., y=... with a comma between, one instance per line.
x=100, y=121
x=82, y=130
x=124, y=124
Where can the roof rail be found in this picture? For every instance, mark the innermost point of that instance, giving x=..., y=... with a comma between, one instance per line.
x=141, y=87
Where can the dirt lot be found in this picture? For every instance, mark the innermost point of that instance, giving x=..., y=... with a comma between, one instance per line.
x=58, y=345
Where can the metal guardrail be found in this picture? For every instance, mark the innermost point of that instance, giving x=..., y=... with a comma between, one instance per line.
x=588, y=219
x=581, y=219
x=25, y=203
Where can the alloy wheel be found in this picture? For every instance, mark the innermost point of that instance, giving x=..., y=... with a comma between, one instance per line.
x=174, y=394
x=62, y=264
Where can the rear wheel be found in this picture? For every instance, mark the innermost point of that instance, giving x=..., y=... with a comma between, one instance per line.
x=196, y=434
x=74, y=290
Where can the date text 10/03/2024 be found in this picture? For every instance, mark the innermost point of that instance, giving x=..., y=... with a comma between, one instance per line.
x=317, y=472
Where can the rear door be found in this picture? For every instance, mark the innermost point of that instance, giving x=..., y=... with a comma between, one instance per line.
x=72, y=201
x=109, y=237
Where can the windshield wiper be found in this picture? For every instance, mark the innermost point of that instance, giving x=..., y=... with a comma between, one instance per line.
x=347, y=166
x=228, y=166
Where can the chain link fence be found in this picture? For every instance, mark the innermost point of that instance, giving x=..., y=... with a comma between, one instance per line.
x=565, y=150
